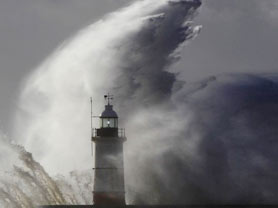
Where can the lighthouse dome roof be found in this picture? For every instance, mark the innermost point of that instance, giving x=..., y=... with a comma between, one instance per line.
x=108, y=112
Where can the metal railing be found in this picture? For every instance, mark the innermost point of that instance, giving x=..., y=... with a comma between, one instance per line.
x=121, y=132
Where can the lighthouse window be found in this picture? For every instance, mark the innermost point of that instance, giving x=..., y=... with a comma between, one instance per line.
x=109, y=123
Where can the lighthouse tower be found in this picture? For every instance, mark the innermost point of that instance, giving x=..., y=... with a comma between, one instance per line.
x=108, y=142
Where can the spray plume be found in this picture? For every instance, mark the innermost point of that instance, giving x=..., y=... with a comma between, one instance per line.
x=28, y=185
x=187, y=143
x=115, y=54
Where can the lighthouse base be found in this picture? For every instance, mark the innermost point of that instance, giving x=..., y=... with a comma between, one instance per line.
x=160, y=206
x=109, y=198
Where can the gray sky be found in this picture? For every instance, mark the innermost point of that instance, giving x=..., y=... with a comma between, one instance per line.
x=30, y=30
x=238, y=36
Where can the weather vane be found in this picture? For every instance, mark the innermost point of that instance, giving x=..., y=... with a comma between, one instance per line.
x=108, y=97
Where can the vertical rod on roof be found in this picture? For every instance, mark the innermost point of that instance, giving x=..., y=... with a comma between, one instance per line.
x=91, y=100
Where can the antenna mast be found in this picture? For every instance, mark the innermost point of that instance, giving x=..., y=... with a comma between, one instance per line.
x=91, y=100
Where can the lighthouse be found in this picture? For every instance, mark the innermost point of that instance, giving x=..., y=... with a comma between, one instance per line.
x=108, y=140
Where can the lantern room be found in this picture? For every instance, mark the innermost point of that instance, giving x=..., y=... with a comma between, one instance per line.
x=108, y=118
x=108, y=122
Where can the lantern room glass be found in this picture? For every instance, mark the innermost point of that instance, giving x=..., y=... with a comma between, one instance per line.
x=108, y=123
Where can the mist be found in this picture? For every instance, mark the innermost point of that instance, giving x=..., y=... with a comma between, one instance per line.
x=216, y=144
x=212, y=141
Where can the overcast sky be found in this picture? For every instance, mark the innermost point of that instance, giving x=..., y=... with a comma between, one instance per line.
x=237, y=36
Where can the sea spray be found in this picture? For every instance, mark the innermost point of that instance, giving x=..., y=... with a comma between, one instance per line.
x=114, y=53
x=213, y=141
x=126, y=53
x=28, y=185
